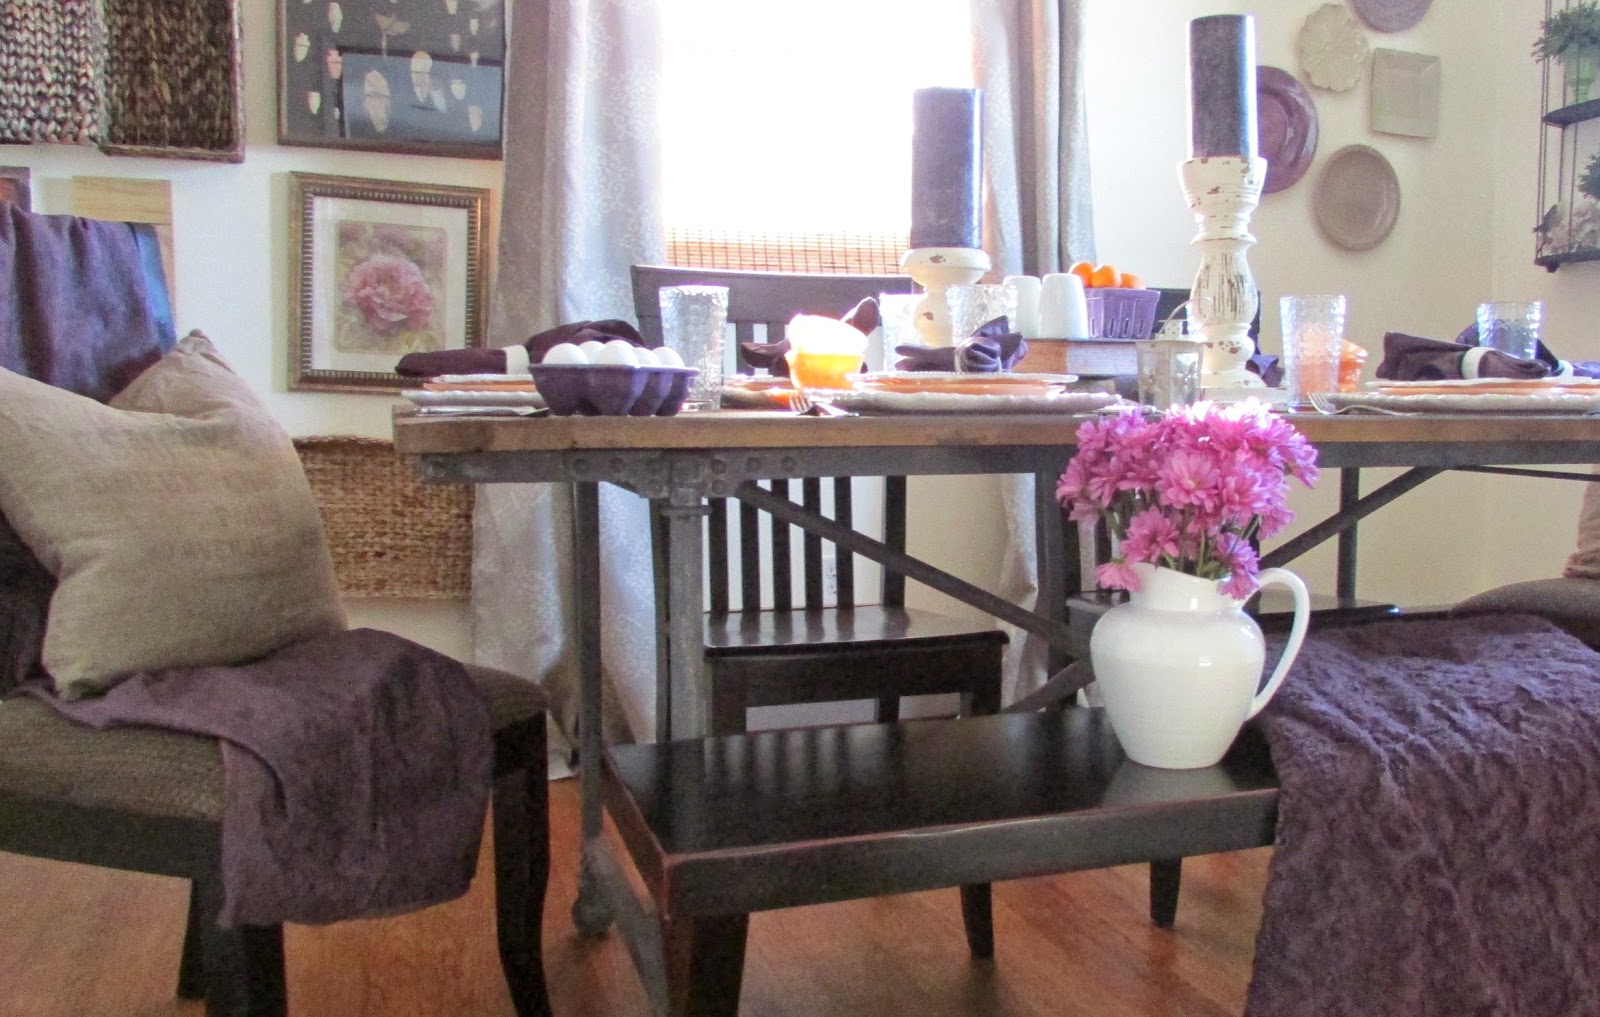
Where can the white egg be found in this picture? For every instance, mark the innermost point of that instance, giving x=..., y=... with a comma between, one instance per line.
x=617, y=351
x=565, y=353
x=591, y=348
x=669, y=357
x=644, y=356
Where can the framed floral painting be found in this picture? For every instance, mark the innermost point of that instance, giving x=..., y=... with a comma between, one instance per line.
x=381, y=269
x=417, y=76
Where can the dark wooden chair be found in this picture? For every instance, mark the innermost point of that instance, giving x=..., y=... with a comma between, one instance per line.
x=150, y=800
x=146, y=799
x=805, y=648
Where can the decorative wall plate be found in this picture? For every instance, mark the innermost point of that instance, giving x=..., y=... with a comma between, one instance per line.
x=1286, y=123
x=1405, y=93
x=1390, y=15
x=1357, y=198
x=1333, y=49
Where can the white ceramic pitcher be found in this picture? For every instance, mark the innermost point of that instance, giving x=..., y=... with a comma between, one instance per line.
x=1179, y=664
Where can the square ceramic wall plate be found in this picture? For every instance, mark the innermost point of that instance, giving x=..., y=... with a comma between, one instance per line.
x=1405, y=93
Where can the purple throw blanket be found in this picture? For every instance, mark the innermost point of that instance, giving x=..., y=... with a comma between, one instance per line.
x=83, y=316
x=357, y=768
x=1439, y=826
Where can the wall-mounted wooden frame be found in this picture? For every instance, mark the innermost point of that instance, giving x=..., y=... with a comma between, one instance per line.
x=423, y=77
x=381, y=269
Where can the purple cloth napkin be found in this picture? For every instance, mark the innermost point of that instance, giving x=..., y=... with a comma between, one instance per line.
x=81, y=316
x=991, y=349
x=360, y=758
x=772, y=357
x=1413, y=358
x=483, y=360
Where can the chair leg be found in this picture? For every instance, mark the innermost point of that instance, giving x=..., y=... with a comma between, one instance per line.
x=705, y=964
x=977, y=916
x=521, y=872
x=242, y=968
x=191, y=965
x=888, y=710
x=1165, y=875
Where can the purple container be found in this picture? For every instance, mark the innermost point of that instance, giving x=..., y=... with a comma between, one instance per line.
x=612, y=390
x=1116, y=313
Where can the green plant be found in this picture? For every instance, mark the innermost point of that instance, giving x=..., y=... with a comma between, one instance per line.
x=1589, y=183
x=1574, y=27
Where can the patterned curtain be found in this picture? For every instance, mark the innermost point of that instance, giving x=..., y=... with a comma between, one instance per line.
x=579, y=206
x=1028, y=57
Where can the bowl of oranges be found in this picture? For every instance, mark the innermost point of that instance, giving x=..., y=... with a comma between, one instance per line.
x=1119, y=305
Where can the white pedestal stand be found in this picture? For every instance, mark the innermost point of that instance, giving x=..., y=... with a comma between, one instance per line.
x=936, y=269
x=1223, y=192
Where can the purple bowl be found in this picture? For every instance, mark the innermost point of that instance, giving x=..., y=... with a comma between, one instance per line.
x=611, y=390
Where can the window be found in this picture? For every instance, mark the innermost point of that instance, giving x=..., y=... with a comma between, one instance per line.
x=786, y=129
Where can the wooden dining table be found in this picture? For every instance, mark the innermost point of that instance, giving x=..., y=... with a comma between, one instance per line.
x=679, y=462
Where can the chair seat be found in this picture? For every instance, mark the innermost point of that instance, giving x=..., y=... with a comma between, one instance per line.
x=863, y=628
x=1570, y=602
x=157, y=772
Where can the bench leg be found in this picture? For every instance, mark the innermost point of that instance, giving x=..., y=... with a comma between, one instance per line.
x=1165, y=876
x=521, y=872
x=705, y=964
x=242, y=968
x=978, y=917
x=191, y=965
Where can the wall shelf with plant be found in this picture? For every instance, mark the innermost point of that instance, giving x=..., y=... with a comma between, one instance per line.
x=1568, y=225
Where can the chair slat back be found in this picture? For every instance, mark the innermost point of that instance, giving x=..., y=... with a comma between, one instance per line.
x=770, y=300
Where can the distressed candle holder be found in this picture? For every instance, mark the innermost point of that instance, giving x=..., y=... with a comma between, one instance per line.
x=1222, y=192
x=936, y=269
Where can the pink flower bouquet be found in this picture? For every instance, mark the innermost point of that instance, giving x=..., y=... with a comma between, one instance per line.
x=1189, y=490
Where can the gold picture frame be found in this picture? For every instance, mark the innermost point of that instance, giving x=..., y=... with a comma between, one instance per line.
x=381, y=269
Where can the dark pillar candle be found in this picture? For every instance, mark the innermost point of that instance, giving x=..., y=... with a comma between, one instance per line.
x=946, y=168
x=1222, y=86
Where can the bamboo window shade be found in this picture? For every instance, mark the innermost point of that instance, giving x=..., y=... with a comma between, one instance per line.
x=391, y=535
x=817, y=253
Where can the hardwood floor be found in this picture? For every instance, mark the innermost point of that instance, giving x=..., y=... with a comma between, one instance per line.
x=94, y=943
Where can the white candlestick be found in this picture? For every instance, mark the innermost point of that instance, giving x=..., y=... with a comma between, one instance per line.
x=1063, y=312
x=1222, y=193
x=1027, y=320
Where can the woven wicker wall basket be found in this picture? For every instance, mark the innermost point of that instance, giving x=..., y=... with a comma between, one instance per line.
x=391, y=535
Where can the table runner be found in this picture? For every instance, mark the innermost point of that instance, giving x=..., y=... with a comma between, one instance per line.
x=1439, y=825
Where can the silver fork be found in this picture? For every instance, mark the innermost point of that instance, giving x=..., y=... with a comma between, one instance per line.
x=806, y=405
x=1322, y=404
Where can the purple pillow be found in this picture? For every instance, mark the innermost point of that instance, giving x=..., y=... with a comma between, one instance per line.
x=25, y=588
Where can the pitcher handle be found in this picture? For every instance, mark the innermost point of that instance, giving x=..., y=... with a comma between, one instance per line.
x=1297, y=633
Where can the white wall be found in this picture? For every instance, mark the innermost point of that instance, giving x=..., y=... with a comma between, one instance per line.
x=232, y=273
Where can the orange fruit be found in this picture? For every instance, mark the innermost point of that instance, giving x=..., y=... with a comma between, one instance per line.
x=1104, y=275
x=1129, y=281
x=1083, y=270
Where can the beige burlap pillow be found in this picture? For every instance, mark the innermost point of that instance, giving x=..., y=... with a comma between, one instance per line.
x=177, y=521
x=1584, y=562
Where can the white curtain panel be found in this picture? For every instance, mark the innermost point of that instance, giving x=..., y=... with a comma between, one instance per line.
x=1028, y=57
x=579, y=206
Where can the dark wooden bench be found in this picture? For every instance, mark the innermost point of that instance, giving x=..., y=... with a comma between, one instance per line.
x=726, y=826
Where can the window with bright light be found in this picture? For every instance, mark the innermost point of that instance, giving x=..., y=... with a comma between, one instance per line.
x=789, y=125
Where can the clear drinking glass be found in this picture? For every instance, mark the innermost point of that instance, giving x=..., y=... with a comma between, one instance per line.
x=898, y=311
x=1511, y=326
x=975, y=305
x=693, y=322
x=1313, y=338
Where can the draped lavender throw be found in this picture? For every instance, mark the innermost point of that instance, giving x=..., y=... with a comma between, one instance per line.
x=1439, y=824
x=359, y=756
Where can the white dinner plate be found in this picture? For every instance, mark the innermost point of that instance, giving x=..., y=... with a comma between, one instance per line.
x=872, y=402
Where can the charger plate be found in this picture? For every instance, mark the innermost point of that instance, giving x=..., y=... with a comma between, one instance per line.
x=1560, y=401
x=961, y=383
x=868, y=402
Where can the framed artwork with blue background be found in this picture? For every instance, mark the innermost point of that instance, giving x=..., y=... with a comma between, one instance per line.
x=424, y=77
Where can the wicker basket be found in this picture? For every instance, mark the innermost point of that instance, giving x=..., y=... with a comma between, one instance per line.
x=391, y=535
